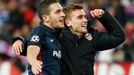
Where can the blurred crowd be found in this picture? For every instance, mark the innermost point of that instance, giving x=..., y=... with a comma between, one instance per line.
x=18, y=17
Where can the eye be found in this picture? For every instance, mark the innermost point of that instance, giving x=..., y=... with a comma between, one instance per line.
x=58, y=11
x=85, y=16
x=80, y=17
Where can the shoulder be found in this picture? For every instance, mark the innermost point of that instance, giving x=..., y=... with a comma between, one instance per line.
x=36, y=33
x=36, y=29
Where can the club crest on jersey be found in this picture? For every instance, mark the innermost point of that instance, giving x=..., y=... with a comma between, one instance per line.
x=57, y=54
x=88, y=36
x=35, y=38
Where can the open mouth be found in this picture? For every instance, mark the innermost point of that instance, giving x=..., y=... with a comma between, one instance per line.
x=62, y=21
x=84, y=25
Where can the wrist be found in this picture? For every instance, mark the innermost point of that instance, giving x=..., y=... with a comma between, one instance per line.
x=18, y=38
x=31, y=60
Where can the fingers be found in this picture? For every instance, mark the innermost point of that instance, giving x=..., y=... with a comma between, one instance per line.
x=34, y=71
x=17, y=47
x=20, y=47
x=97, y=13
x=37, y=67
x=92, y=14
x=17, y=50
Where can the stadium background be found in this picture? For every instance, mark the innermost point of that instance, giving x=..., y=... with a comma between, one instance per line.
x=18, y=17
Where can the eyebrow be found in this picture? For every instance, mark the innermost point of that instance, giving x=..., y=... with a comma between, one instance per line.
x=57, y=11
x=81, y=16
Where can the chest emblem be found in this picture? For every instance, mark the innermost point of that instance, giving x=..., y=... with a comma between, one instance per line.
x=88, y=36
x=57, y=54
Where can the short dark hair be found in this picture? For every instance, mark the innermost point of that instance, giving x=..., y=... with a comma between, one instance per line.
x=72, y=7
x=43, y=7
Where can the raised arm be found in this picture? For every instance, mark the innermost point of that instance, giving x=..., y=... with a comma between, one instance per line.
x=114, y=35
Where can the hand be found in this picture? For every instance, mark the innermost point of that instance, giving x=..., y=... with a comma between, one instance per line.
x=36, y=66
x=97, y=13
x=17, y=46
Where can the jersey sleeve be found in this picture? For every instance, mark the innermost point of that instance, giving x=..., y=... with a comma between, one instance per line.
x=35, y=38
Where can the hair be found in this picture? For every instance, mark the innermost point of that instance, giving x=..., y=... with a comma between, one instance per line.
x=70, y=8
x=43, y=7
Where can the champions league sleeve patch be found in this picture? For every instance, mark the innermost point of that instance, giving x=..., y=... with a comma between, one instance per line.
x=35, y=38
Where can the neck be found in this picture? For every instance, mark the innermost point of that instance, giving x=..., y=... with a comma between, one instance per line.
x=49, y=25
x=77, y=33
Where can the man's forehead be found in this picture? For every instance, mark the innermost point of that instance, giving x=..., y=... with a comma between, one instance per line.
x=78, y=12
x=56, y=6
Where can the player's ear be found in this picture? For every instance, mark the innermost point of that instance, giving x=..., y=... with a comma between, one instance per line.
x=45, y=18
x=68, y=22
